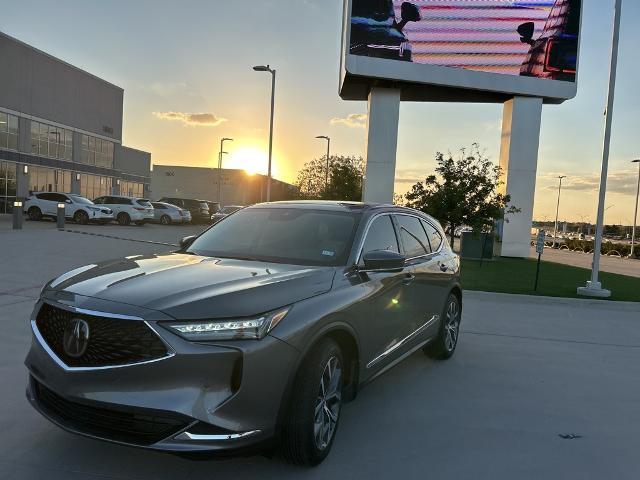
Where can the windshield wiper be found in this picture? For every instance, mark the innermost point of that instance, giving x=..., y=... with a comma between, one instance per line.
x=239, y=257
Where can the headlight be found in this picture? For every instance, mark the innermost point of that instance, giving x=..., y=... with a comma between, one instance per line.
x=231, y=329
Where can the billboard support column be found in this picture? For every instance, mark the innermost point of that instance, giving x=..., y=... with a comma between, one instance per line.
x=519, y=163
x=382, y=143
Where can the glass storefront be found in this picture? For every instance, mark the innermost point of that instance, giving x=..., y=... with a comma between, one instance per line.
x=131, y=189
x=7, y=186
x=42, y=179
x=50, y=141
x=94, y=186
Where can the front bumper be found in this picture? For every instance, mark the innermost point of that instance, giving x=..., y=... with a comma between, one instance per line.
x=220, y=397
x=98, y=216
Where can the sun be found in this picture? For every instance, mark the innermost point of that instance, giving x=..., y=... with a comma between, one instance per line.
x=250, y=159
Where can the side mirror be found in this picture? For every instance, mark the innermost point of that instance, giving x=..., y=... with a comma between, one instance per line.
x=68, y=201
x=383, y=261
x=526, y=31
x=186, y=242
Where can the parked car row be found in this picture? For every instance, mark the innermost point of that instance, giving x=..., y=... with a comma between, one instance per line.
x=122, y=209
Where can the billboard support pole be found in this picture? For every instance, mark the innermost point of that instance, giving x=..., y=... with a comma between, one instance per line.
x=594, y=287
x=382, y=144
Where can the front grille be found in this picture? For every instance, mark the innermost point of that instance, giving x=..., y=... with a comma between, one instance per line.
x=135, y=426
x=112, y=342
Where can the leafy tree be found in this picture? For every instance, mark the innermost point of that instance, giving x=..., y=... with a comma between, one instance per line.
x=345, y=179
x=464, y=191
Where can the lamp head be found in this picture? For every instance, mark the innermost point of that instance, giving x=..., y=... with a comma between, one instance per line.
x=262, y=68
x=636, y=161
x=323, y=137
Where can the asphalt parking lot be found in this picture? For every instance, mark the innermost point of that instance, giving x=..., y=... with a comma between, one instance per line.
x=527, y=371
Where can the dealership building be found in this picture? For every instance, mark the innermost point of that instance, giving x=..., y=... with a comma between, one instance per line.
x=61, y=130
x=237, y=186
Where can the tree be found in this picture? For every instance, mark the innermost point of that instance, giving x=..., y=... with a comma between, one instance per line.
x=464, y=191
x=345, y=179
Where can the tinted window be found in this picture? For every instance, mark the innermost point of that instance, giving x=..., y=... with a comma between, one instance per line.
x=159, y=206
x=47, y=196
x=123, y=201
x=100, y=201
x=203, y=205
x=414, y=238
x=79, y=199
x=381, y=236
x=143, y=202
x=435, y=239
x=281, y=235
x=58, y=197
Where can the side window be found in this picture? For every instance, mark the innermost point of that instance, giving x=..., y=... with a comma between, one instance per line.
x=47, y=196
x=100, y=201
x=381, y=236
x=414, y=238
x=58, y=197
x=435, y=239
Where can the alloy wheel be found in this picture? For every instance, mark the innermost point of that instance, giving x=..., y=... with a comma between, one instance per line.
x=452, y=325
x=327, y=408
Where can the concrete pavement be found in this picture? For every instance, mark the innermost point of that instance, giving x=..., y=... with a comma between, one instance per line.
x=525, y=373
x=621, y=266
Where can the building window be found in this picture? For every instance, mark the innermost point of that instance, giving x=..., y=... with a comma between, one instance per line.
x=43, y=179
x=7, y=186
x=131, y=189
x=96, y=151
x=94, y=186
x=50, y=141
x=8, y=131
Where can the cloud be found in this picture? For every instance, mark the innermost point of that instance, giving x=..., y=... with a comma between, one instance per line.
x=622, y=182
x=353, y=120
x=192, y=119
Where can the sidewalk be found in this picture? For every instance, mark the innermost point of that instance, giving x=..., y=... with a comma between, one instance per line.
x=621, y=266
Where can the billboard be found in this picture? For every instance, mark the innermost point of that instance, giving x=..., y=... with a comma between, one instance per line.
x=533, y=39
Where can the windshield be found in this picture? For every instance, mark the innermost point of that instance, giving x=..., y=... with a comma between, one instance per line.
x=281, y=235
x=79, y=199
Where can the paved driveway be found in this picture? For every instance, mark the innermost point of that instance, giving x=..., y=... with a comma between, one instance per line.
x=525, y=373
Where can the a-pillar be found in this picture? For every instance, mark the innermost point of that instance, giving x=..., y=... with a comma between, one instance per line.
x=382, y=143
x=519, y=163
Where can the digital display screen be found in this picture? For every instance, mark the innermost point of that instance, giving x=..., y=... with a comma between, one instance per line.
x=531, y=38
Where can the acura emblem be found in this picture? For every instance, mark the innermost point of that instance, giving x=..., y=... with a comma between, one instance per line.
x=76, y=338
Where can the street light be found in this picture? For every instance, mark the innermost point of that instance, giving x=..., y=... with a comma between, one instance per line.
x=267, y=68
x=326, y=173
x=635, y=215
x=555, y=230
x=222, y=152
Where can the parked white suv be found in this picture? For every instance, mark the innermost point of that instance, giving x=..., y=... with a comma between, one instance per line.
x=128, y=209
x=82, y=210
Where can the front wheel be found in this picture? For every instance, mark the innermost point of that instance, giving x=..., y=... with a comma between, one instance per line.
x=314, y=413
x=123, y=219
x=444, y=345
x=35, y=214
x=165, y=220
x=81, y=217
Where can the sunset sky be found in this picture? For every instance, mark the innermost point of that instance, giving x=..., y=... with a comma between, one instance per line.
x=186, y=70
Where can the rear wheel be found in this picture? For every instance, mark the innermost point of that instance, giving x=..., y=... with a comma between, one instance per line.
x=444, y=345
x=35, y=214
x=314, y=413
x=165, y=220
x=81, y=217
x=124, y=219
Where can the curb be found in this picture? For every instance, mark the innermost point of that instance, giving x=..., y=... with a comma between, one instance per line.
x=119, y=238
x=541, y=300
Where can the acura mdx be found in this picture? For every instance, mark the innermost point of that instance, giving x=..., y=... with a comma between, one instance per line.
x=255, y=332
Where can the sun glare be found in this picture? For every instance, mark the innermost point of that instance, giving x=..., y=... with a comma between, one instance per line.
x=250, y=159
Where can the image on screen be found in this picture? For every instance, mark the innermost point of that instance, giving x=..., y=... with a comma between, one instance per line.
x=533, y=38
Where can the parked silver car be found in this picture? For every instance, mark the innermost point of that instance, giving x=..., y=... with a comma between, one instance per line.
x=166, y=214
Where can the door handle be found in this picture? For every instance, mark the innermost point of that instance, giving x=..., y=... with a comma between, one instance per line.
x=408, y=279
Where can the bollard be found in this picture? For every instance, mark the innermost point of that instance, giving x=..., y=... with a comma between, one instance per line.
x=17, y=215
x=60, y=217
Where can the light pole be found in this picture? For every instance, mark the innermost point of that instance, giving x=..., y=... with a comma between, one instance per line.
x=326, y=173
x=635, y=215
x=222, y=152
x=266, y=68
x=594, y=287
x=555, y=230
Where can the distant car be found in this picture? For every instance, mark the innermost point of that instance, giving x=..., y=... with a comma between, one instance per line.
x=166, y=214
x=375, y=32
x=214, y=207
x=199, y=208
x=128, y=209
x=225, y=212
x=554, y=54
x=82, y=210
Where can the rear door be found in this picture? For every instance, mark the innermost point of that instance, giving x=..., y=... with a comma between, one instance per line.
x=422, y=289
x=443, y=264
x=48, y=203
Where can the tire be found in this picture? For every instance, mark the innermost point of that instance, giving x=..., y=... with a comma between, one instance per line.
x=165, y=220
x=81, y=217
x=313, y=418
x=35, y=214
x=123, y=219
x=444, y=345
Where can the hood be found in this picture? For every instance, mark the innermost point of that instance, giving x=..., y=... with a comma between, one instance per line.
x=194, y=287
